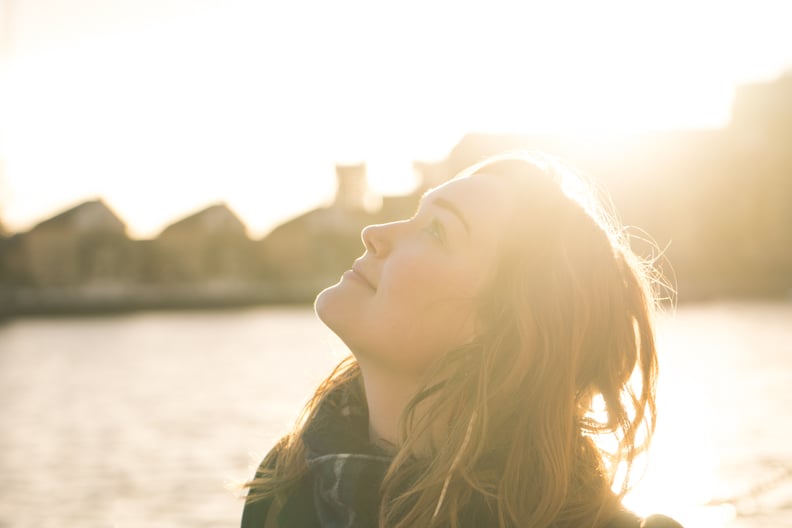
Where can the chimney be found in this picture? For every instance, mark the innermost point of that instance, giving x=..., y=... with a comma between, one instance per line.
x=352, y=189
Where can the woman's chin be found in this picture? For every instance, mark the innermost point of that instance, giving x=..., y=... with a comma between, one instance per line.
x=325, y=305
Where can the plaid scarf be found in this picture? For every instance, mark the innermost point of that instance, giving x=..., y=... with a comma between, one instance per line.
x=345, y=471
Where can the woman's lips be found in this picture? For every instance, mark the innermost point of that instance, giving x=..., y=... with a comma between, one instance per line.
x=356, y=275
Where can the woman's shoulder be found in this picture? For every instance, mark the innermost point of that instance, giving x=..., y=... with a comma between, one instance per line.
x=255, y=511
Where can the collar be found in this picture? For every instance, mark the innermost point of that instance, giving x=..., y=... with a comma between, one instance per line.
x=345, y=470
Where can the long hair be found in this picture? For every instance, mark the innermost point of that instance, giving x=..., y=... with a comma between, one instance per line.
x=546, y=410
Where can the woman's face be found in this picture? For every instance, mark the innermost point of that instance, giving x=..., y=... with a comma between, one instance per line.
x=411, y=296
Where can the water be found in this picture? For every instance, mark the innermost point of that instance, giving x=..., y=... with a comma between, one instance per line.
x=146, y=419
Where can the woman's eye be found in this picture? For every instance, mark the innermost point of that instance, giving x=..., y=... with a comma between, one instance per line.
x=435, y=230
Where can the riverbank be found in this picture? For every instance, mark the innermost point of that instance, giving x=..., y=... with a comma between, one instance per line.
x=115, y=298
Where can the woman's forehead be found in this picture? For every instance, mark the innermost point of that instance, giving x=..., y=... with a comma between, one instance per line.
x=474, y=189
x=484, y=200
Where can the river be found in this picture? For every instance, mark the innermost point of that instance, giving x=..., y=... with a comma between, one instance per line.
x=152, y=418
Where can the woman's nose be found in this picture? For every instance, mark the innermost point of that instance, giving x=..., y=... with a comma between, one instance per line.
x=377, y=238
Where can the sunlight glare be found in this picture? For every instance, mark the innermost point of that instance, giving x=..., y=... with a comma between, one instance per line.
x=681, y=478
x=157, y=110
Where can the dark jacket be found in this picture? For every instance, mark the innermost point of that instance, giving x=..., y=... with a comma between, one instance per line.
x=341, y=487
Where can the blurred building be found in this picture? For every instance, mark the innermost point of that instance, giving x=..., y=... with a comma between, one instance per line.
x=209, y=245
x=311, y=250
x=14, y=269
x=716, y=203
x=757, y=204
x=85, y=244
x=764, y=109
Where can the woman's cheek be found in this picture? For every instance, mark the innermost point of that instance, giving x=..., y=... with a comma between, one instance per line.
x=421, y=279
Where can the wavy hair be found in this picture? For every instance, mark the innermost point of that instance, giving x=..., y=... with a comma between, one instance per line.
x=545, y=412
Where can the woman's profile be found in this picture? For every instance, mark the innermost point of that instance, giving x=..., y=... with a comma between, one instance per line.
x=502, y=373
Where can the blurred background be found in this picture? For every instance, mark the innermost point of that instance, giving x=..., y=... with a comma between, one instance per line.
x=157, y=157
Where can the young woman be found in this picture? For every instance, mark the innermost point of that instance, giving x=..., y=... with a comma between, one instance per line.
x=501, y=339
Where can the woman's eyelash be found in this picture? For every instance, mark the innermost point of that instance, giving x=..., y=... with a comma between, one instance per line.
x=436, y=230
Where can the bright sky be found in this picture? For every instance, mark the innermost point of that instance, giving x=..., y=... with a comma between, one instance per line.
x=163, y=106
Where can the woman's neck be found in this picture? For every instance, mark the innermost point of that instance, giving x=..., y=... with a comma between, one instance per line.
x=387, y=396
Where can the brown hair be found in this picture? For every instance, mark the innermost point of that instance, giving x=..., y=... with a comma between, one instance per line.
x=564, y=357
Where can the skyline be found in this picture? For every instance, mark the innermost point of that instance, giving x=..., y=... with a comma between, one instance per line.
x=132, y=102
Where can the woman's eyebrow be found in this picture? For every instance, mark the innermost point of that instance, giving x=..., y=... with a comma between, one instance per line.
x=449, y=206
